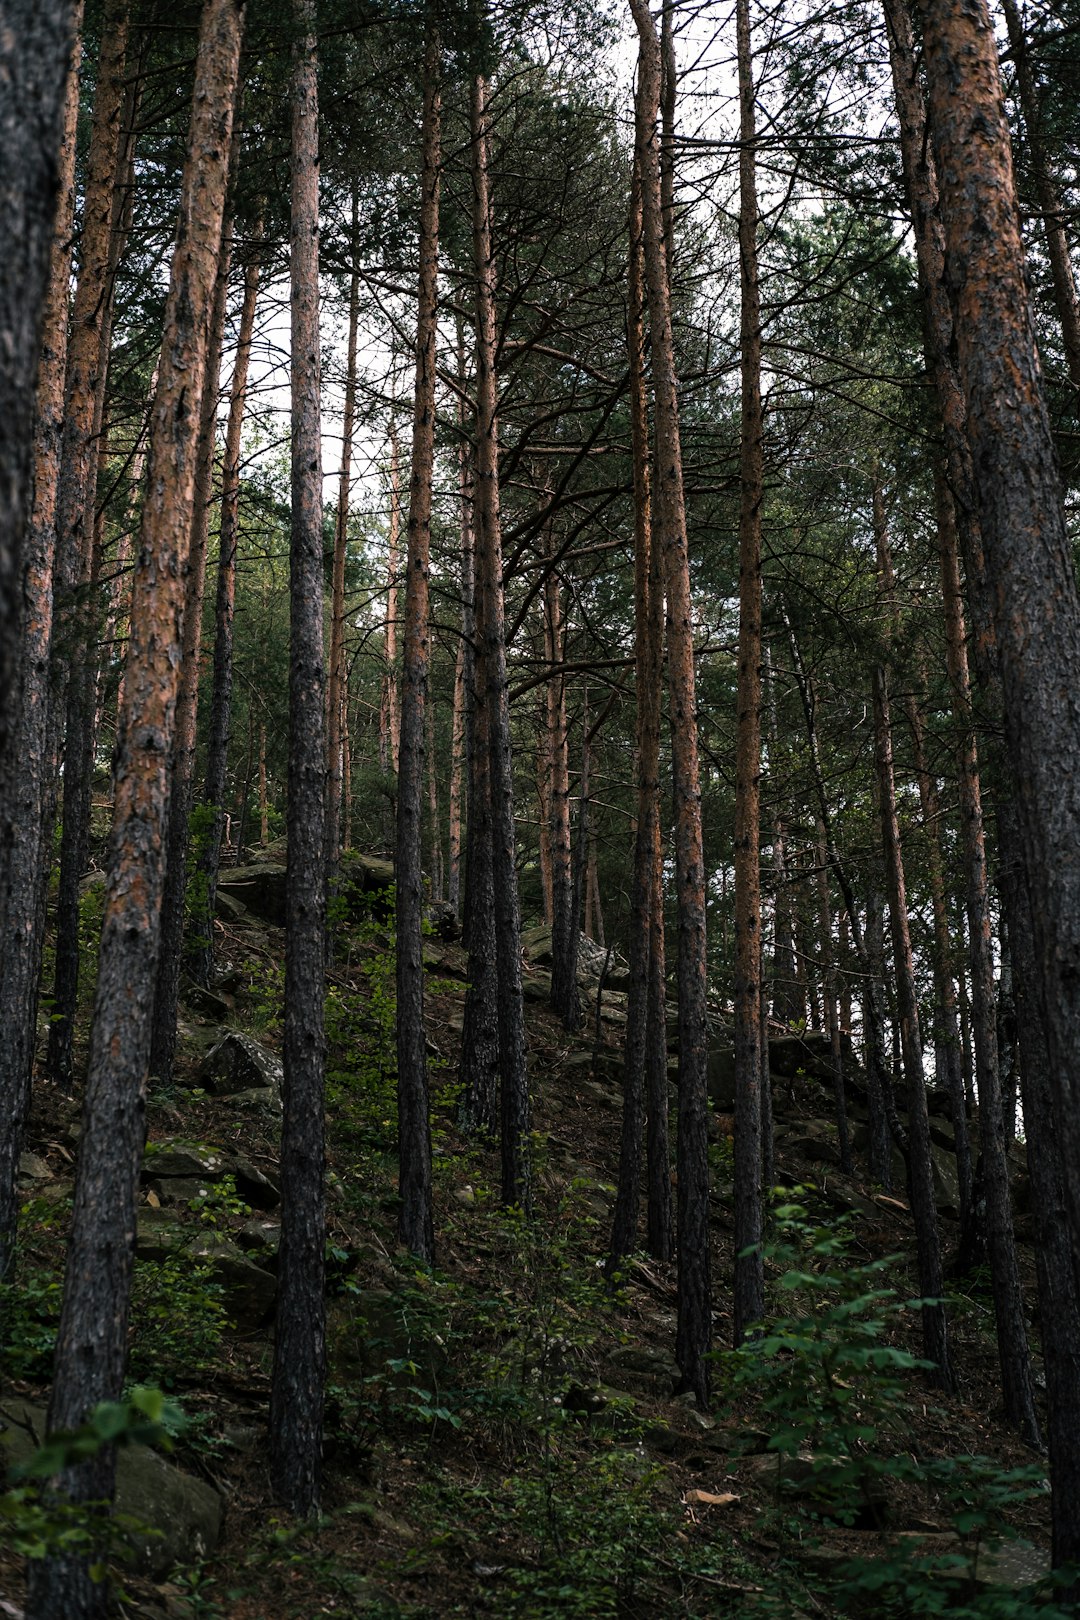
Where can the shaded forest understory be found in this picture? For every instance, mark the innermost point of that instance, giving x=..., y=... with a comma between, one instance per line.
x=503, y=1435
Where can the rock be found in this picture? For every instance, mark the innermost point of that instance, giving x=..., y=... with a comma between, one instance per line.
x=33, y=1168
x=204, y=1000
x=465, y=1196
x=236, y=1062
x=1009, y=1564
x=182, y=1189
x=250, y=1291
x=721, y=1077
x=257, y=1187
x=262, y=1099
x=158, y=1234
x=829, y=1484
x=536, y=943
x=447, y=962
x=367, y=1330
x=185, y=1512
x=536, y=986
x=261, y=888
x=442, y=918
x=188, y=1159
x=814, y=1142
x=653, y=1366
x=261, y=1238
x=809, y=1053
x=229, y=908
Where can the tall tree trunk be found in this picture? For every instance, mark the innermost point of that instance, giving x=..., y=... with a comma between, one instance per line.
x=565, y=999
x=1062, y=276
x=958, y=524
x=1028, y=561
x=35, y=48
x=514, y=1092
x=463, y=667
x=694, y=1329
x=296, y=1400
x=219, y=728
x=182, y=768
x=415, y=1226
x=920, y=1167
x=92, y=1340
x=86, y=361
x=832, y=1010
x=24, y=790
x=647, y=686
x=749, y=1300
x=389, y=710
x=336, y=683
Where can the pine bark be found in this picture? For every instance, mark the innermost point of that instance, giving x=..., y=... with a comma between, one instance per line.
x=73, y=625
x=514, y=1109
x=389, y=708
x=335, y=688
x=170, y=962
x=565, y=1000
x=35, y=49
x=463, y=665
x=92, y=1339
x=749, y=1298
x=920, y=1168
x=24, y=790
x=219, y=728
x=1062, y=275
x=832, y=1008
x=415, y=1226
x=296, y=1401
x=694, y=1328
x=647, y=686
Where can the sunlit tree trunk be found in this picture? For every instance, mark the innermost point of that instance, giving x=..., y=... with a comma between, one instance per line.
x=92, y=1340
x=24, y=862
x=335, y=706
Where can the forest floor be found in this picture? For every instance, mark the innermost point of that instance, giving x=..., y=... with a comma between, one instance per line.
x=503, y=1432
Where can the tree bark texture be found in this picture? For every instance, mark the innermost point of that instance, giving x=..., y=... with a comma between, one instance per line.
x=389, y=711
x=219, y=728
x=514, y=1093
x=335, y=706
x=1028, y=561
x=92, y=1340
x=920, y=1169
x=170, y=961
x=832, y=1009
x=749, y=1300
x=694, y=1330
x=35, y=49
x=87, y=361
x=296, y=1401
x=24, y=864
x=415, y=1226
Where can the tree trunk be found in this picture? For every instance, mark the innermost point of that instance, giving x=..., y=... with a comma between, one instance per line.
x=923, y=1208
x=182, y=768
x=463, y=666
x=86, y=361
x=389, y=711
x=694, y=1330
x=335, y=706
x=565, y=1001
x=749, y=1300
x=832, y=1010
x=1028, y=560
x=92, y=1341
x=35, y=47
x=25, y=863
x=1062, y=277
x=296, y=1401
x=958, y=522
x=415, y=1226
x=514, y=1098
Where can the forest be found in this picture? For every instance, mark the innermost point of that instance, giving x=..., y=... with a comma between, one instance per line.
x=539, y=809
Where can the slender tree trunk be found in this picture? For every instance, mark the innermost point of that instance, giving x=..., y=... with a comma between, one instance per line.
x=694, y=1330
x=749, y=1300
x=565, y=1000
x=335, y=706
x=296, y=1401
x=1062, y=276
x=92, y=1340
x=514, y=1093
x=832, y=1010
x=647, y=685
x=415, y=1226
x=463, y=667
x=924, y=1212
x=389, y=711
x=24, y=789
x=86, y=361
x=35, y=48
x=264, y=802
x=182, y=767
x=208, y=853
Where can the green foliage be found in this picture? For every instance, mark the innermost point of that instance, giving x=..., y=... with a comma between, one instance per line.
x=202, y=824
x=179, y=1317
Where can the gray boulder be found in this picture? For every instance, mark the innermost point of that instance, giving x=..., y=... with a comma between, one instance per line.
x=237, y=1063
x=261, y=888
